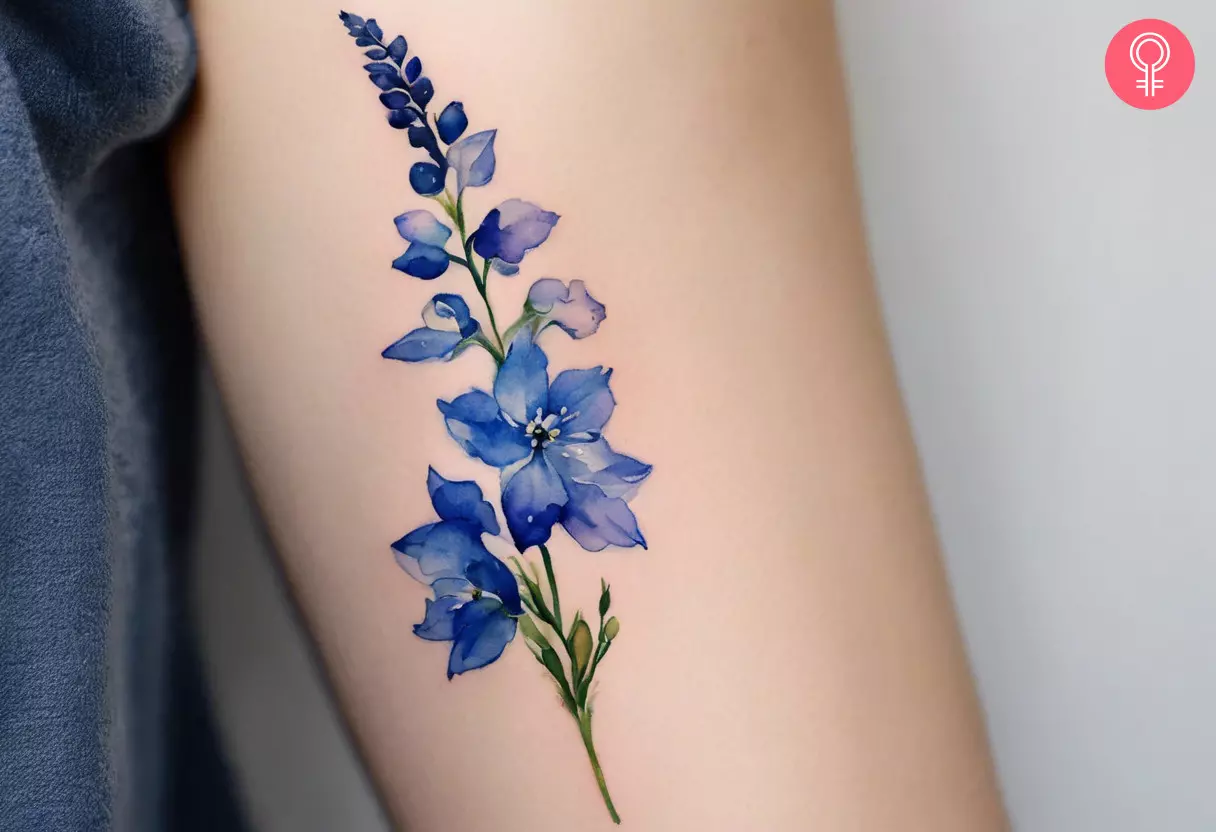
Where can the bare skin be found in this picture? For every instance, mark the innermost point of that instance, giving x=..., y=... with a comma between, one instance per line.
x=789, y=657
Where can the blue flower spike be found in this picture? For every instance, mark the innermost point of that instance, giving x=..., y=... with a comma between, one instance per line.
x=425, y=258
x=476, y=598
x=543, y=435
x=446, y=325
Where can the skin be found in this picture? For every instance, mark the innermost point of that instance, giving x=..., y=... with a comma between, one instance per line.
x=788, y=657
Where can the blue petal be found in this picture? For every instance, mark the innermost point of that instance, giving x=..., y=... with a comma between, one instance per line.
x=401, y=119
x=493, y=576
x=397, y=49
x=449, y=312
x=413, y=69
x=373, y=29
x=388, y=82
x=473, y=160
x=586, y=400
x=439, y=622
x=461, y=500
x=513, y=229
x=422, y=91
x=483, y=631
x=521, y=387
x=475, y=422
x=394, y=100
x=426, y=178
x=354, y=24
x=423, y=261
x=376, y=53
x=596, y=464
x=597, y=521
x=532, y=499
x=440, y=550
x=452, y=122
x=423, y=344
x=573, y=309
x=421, y=227
x=504, y=269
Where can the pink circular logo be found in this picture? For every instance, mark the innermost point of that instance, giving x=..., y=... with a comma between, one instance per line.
x=1150, y=64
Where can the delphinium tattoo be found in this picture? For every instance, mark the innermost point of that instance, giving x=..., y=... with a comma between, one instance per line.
x=544, y=436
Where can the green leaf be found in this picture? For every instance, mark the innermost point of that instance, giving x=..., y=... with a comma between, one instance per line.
x=551, y=661
x=611, y=628
x=581, y=645
x=537, y=598
x=532, y=633
x=605, y=598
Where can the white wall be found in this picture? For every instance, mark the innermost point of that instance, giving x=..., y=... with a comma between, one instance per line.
x=1047, y=261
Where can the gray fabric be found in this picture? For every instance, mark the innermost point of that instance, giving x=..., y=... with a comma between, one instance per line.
x=96, y=401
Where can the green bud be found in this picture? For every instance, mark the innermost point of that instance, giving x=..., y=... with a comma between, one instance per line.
x=581, y=644
x=605, y=598
x=531, y=632
x=611, y=628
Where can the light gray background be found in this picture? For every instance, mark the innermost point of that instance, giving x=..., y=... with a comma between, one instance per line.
x=1046, y=261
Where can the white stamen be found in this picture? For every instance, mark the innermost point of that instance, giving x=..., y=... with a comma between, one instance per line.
x=555, y=432
x=534, y=443
x=563, y=411
x=529, y=518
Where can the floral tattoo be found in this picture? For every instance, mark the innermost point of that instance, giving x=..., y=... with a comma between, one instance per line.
x=545, y=437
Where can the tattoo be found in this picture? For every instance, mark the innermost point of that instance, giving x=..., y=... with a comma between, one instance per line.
x=545, y=437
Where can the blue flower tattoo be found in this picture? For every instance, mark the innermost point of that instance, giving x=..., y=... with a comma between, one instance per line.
x=543, y=434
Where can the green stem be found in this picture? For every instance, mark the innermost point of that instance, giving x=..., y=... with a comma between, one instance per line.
x=480, y=281
x=584, y=728
x=557, y=603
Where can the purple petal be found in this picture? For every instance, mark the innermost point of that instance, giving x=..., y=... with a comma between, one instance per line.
x=572, y=309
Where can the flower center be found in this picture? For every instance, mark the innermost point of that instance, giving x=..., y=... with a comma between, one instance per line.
x=543, y=429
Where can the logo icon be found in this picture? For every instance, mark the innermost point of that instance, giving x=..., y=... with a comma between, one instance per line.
x=1150, y=64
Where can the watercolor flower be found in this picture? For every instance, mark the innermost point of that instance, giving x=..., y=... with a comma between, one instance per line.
x=510, y=231
x=425, y=257
x=451, y=123
x=476, y=598
x=446, y=324
x=571, y=308
x=472, y=158
x=405, y=93
x=547, y=440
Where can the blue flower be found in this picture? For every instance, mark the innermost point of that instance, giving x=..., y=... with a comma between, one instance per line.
x=547, y=440
x=425, y=257
x=405, y=93
x=452, y=122
x=447, y=324
x=472, y=158
x=512, y=230
x=572, y=309
x=476, y=598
